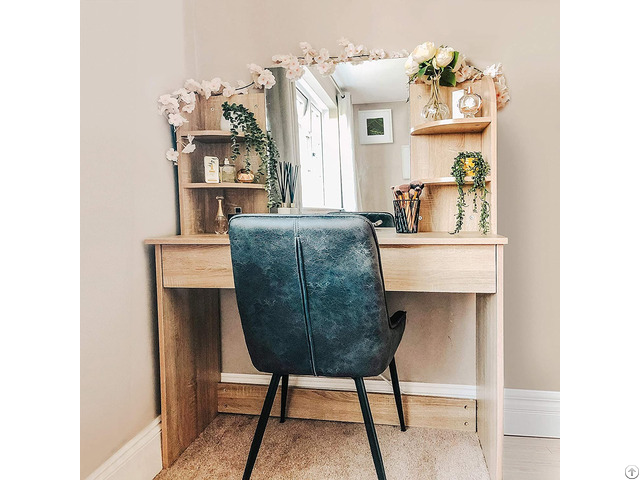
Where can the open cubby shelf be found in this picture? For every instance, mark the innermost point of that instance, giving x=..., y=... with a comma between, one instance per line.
x=254, y=186
x=211, y=136
x=455, y=125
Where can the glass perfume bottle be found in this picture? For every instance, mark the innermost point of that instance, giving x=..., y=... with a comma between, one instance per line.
x=470, y=103
x=221, y=224
x=228, y=172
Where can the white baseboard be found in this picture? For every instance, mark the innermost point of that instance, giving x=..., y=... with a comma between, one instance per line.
x=346, y=384
x=531, y=413
x=138, y=459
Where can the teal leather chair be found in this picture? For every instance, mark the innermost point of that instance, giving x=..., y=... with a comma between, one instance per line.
x=311, y=297
x=379, y=219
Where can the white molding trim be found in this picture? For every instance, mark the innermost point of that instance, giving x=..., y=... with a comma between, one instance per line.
x=346, y=384
x=141, y=457
x=531, y=413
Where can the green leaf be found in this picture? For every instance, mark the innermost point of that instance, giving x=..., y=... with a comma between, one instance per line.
x=448, y=78
x=454, y=62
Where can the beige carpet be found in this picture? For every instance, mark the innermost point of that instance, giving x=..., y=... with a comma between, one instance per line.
x=307, y=449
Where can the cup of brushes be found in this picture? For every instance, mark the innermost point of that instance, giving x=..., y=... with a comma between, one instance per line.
x=406, y=206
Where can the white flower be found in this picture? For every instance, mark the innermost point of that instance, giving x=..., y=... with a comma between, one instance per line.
x=343, y=42
x=326, y=68
x=322, y=56
x=188, y=98
x=266, y=79
x=444, y=55
x=168, y=104
x=423, y=52
x=192, y=86
x=177, y=120
x=189, y=107
x=411, y=67
x=305, y=46
x=459, y=63
x=359, y=49
x=189, y=148
x=295, y=72
x=228, y=90
x=172, y=155
x=494, y=70
x=242, y=88
x=350, y=50
x=256, y=71
x=343, y=57
x=377, y=54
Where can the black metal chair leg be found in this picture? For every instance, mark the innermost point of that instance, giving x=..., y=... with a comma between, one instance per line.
x=396, y=393
x=262, y=424
x=283, y=397
x=371, y=429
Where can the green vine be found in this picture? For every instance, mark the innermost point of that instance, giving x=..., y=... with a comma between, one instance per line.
x=474, y=165
x=257, y=140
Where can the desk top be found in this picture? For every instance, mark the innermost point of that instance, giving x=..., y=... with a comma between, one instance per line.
x=386, y=236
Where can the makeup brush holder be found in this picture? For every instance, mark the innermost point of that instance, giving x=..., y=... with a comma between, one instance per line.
x=407, y=213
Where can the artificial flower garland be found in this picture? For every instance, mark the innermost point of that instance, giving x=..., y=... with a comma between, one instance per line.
x=172, y=105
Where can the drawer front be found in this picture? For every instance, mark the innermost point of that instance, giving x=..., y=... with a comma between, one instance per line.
x=418, y=268
x=439, y=268
x=197, y=266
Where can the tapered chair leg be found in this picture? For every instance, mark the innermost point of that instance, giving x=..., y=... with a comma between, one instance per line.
x=283, y=397
x=371, y=429
x=262, y=424
x=396, y=393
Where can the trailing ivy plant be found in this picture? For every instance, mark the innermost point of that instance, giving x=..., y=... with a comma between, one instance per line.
x=257, y=140
x=473, y=164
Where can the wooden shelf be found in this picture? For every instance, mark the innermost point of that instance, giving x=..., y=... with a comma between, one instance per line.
x=448, y=180
x=211, y=136
x=456, y=125
x=251, y=186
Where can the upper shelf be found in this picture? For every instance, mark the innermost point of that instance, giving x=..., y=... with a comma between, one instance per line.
x=449, y=180
x=256, y=186
x=211, y=136
x=455, y=125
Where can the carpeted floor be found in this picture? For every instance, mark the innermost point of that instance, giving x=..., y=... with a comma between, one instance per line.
x=307, y=449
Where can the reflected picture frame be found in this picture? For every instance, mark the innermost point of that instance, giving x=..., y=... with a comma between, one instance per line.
x=375, y=126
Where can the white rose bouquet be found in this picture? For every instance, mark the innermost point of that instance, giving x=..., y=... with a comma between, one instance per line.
x=430, y=63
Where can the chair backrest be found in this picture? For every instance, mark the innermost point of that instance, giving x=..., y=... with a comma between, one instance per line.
x=311, y=295
x=386, y=218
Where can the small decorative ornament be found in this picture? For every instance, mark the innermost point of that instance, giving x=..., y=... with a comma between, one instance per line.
x=470, y=103
x=435, y=109
x=211, y=170
x=221, y=224
x=245, y=176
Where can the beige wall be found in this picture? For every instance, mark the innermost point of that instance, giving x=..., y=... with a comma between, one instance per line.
x=132, y=51
x=379, y=166
x=524, y=36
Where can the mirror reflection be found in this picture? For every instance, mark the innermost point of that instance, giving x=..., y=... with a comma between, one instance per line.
x=348, y=131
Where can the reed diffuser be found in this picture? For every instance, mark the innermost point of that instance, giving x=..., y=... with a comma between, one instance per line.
x=287, y=184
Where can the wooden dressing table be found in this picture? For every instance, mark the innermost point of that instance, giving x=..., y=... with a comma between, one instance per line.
x=190, y=269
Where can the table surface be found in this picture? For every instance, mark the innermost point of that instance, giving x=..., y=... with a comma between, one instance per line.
x=386, y=236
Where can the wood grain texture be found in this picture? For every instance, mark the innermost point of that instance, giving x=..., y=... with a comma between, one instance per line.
x=452, y=125
x=386, y=236
x=341, y=406
x=490, y=371
x=427, y=268
x=189, y=336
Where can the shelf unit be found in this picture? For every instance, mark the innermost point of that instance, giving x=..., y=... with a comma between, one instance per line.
x=198, y=204
x=434, y=145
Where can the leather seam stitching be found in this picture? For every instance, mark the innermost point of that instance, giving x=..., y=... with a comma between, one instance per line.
x=303, y=292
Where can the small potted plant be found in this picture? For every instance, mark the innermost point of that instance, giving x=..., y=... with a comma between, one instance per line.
x=472, y=164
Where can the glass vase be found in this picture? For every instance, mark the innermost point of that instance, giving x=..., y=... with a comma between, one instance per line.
x=435, y=109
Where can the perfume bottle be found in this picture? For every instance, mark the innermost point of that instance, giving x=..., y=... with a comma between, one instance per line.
x=227, y=172
x=221, y=224
x=470, y=103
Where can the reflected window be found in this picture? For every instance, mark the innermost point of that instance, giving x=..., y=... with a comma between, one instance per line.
x=312, y=165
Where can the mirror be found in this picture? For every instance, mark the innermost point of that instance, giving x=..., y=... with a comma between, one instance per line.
x=348, y=131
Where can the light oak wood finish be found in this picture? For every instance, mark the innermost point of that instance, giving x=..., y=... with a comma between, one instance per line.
x=531, y=458
x=249, y=186
x=449, y=180
x=189, y=337
x=341, y=406
x=211, y=136
x=434, y=145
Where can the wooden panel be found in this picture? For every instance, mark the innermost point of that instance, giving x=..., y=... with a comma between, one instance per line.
x=189, y=337
x=490, y=371
x=197, y=266
x=432, y=155
x=452, y=125
x=439, y=268
x=211, y=109
x=419, y=411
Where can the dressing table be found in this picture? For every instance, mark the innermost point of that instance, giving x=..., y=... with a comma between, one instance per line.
x=192, y=267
